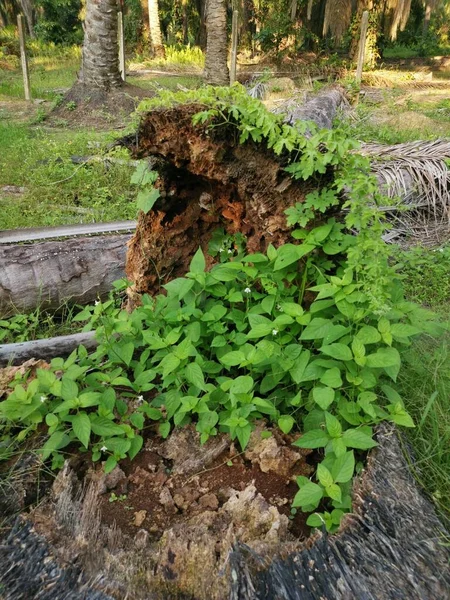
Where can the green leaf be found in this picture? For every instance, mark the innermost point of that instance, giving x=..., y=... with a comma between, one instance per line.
x=334, y=491
x=136, y=444
x=403, y=419
x=355, y=438
x=122, y=353
x=164, y=429
x=384, y=357
x=343, y=467
x=298, y=370
x=402, y=330
x=169, y=363
x=334, y=427
x=323, y=396
x=194, y=375
x=56, y=441
x=87, y=399
x=316, y=438
x=118, y=445
x=242, y=385
x=146, y=199
x=137, y=420
x=243, y=435
x=104, y=427
x=309, y=495
x=198, y=263
x=110, y=464
x=289, y=254
x=368, y=335
x=323, y=475
x=315, y=520
x=51, y=420
x=286, y=423
x=260, y=330
x=69, y=389
x=337, y=351
x=81, y=426
x=332, y=378
x=232, y=359
x=316, y=329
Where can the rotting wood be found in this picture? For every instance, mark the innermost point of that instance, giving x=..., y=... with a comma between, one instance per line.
x=47, y=274
x=48, y=348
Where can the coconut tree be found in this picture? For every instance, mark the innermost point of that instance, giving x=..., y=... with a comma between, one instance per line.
x=216, y=68
x=155, y=29
x=100, y=66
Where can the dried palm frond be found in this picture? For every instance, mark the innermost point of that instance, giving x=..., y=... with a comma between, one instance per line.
x=417, y=176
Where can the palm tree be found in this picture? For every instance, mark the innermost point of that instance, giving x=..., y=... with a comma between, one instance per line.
x=100, y=66
x=216, y=68
x=155, y=29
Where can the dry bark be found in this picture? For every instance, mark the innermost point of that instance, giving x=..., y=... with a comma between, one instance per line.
x=49, y=273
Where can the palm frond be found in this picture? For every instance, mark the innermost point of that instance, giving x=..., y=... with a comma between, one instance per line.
x=416, y=177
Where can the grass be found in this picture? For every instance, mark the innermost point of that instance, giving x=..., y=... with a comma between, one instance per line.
x=424, y=384
x=57, y=190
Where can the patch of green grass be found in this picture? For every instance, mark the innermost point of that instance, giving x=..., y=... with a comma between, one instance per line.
x=419, y=50
x=46, y=76
x=38, y=324
x=424, y=384
x=56, y=189
x=178, y=58
x=427, y=274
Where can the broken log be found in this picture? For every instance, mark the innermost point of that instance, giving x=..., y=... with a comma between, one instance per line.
x=48, y=274
x=48, y=348
x=392, y=546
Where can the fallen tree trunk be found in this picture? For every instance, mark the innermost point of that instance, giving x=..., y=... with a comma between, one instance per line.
x=48, y=348
x=48, y=274
x=390, y=547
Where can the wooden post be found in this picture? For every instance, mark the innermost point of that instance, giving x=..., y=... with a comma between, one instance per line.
x=362, y=45
x=23, y=57
x=121, y=44
x=234, y=45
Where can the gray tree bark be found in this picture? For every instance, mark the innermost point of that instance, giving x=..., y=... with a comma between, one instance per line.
x=216, y=68
x=27, y=9
x=155, y=29
x=50, y=273
x=100, y=66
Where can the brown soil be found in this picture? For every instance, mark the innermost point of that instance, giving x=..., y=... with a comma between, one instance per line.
x=91, y=106
x=153, y=495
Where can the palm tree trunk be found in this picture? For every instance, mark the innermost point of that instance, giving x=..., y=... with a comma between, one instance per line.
x=100, y=47
x=155, y=29
x=27, y=9
x=216, y=68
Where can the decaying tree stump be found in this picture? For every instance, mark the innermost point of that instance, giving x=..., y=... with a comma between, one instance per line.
x=208, y=181
x=49, y=273
x=391, y=547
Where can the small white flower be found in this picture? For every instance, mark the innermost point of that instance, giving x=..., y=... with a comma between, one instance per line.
x=247, y=290
x=274, y=331
x=279, y=308
x=441, y=249
x=140, y=399
x=97, y=302
x=221, y=249
x=103, y=449
x=43, y=398
x=231, y=251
